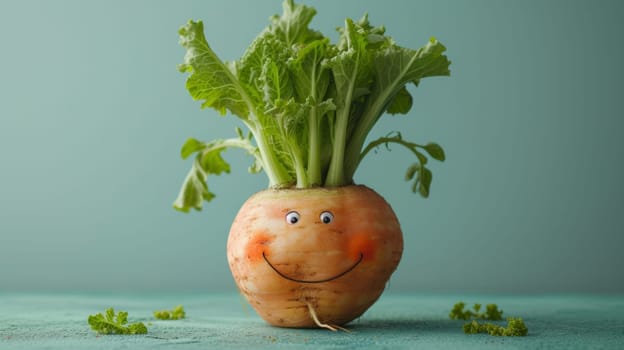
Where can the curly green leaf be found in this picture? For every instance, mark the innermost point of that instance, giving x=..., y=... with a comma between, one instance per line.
x=515, y=328
x=176, y=313
x=111, y=323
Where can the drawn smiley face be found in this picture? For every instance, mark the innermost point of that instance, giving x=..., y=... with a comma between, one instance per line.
x=326, y=218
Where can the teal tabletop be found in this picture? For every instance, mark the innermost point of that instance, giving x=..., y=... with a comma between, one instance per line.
x=222, y=321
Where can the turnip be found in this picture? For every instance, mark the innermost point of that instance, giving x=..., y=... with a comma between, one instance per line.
x=314, y=249
x=329, y=251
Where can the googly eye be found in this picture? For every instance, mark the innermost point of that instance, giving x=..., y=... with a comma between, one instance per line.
x=327, y=217
x=292, y=217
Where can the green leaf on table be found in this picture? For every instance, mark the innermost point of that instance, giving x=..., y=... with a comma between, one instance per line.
x=515, y=326
x=111, y=323
x=176, y=313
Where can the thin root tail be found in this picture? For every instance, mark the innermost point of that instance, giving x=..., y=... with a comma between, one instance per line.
x=331, y=327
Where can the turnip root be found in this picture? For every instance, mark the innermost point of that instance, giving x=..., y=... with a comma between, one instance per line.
x=329, y=249
x=313, y=250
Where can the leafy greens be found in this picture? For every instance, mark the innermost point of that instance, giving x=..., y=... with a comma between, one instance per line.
x=111, y=323
x=309, y=104
x=176, y=313
x=515, y=325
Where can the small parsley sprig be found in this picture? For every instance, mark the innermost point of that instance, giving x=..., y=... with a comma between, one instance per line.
x=491, y=312
x=111, y=323
x=175, y=314
x=515, y=326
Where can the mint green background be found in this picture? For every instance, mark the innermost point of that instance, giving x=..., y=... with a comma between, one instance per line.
x=93, y=113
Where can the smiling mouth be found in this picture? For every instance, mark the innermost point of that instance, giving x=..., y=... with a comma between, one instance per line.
x=313, y=281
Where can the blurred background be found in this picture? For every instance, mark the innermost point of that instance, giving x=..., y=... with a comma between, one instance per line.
x=93, y=114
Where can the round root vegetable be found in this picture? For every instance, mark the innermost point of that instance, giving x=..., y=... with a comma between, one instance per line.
x=314, y=257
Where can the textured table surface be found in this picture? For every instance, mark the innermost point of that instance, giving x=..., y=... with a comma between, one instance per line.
x=59, y=321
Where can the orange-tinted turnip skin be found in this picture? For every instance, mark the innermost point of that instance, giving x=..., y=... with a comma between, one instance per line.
x=357, y=252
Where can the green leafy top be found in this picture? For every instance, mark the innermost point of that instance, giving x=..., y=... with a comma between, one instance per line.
x=309, y=104
x=111, y=323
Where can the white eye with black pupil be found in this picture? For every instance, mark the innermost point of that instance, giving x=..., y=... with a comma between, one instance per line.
x=292, y=217
x=327, y=217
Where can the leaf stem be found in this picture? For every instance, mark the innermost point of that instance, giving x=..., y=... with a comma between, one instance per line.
x=274, y=169
x=392, y=139
x=369, y=118
x=314, y=151
x=336, y=173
